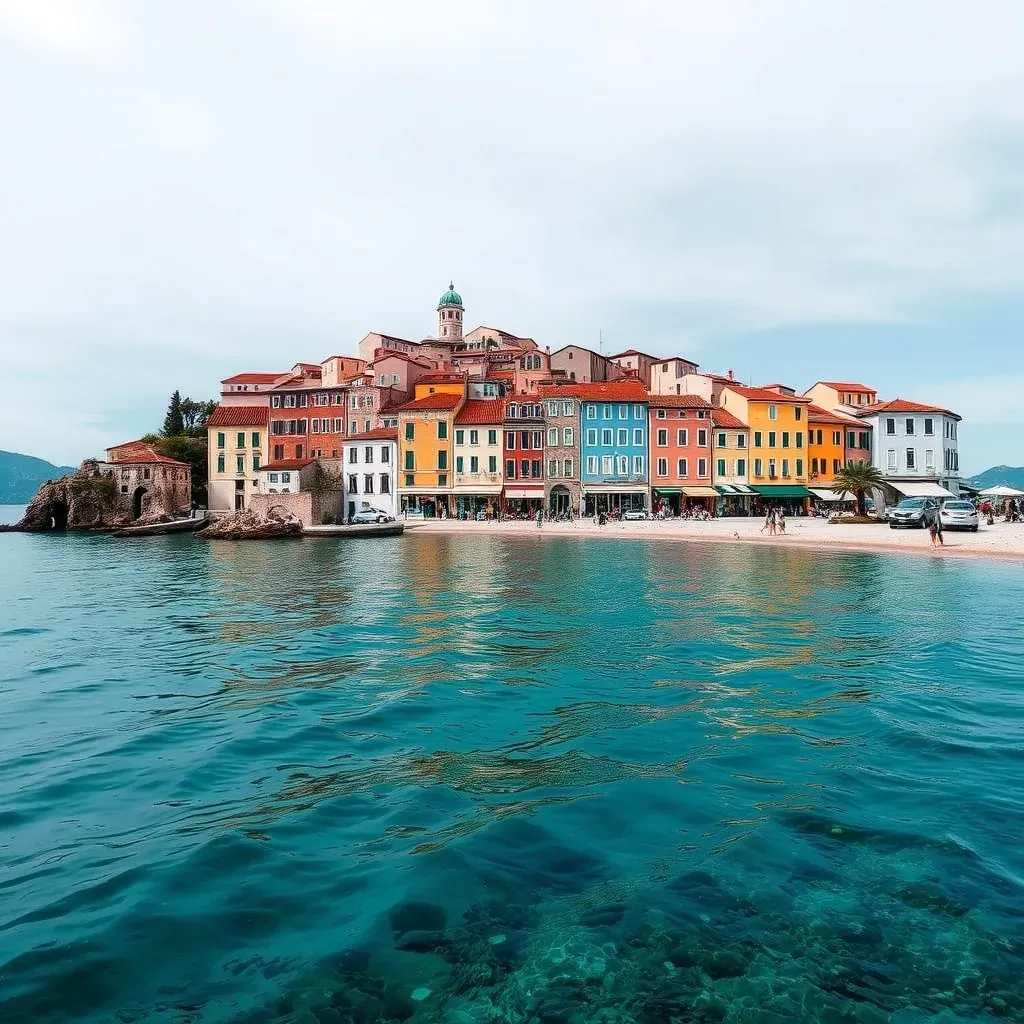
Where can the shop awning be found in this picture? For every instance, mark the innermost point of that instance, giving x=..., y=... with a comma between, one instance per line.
x=827, y=494
x=615, y=488
x=524, y=492
x=922, y=489
x=744, y=489
x=667, y=490
x=700, y=492
x=480, y=491
x=782, y=491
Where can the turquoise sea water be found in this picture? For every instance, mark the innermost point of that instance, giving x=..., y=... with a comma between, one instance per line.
x=510, y=779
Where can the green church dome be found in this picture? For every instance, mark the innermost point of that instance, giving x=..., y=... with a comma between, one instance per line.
x=450, y=297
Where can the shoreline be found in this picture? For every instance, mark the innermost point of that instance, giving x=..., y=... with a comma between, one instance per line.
x=1002, y=542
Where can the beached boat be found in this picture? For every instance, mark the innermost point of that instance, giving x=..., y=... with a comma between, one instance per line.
x=356, y=530
x=159, y=529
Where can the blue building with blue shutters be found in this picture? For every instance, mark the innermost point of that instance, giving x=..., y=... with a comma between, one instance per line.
x=614, y=446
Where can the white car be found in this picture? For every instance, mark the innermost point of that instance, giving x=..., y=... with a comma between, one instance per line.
x=634, y=513
x=957, y=514
x=371, y=515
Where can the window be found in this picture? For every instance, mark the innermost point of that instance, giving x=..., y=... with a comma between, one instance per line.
x=702, y=467
x=638, y=437
x=741, y=467
x=552, y=467
x=622, y=465
x=510, y=440
x=273, y=478
x=567, y=411
x=606, y=412
x=220, y=463
x=442, y=459
x=799, y=467
x=661, y=414
x=607, y=437
x=385, y=484
x=607, y=465
x=773, y=412
x=552, y=408
x=240, y=464
x=275, y=401
x=865, y=440
x=220, y=439
x=591, y=412
x=442, y=430
x=623, y=412
x=474, y=437
x=536, y=467
x=929, y=458
x=552, y=436
x=662, y=438
x=458, y=463
x=255, y=460
x=623, y=438
x=442, y=479
x=837, y=465
x=353, y=483
x=286, y=478
x=771, y=438
x=638, y=412
x=890, y=427
x=662, y=467
x=929, y=426
x=353, y=454
x=524, y=468
x=785, y=439
x=510, y=469
x=771, y=468
x=278, y=451
x=255, y=439
x=591, y=437
x=722, y=440
x=799, y=439
x=460, y=437
x=910, y=458
x=757, y=440
x=910, y=426
x=683, y=438
x=410, y=460
x=524, y=440
x=814, y=467
x=410, y=431
x=368, y=454
x=592, y=465
x=819, y=436
x=474, y=463
x=797, y=413
x=638, y=465
x=702, y=438
x=367, y=484
x=890, y=460
x=720, y=467
x=568, y=436
x=758, y=467
x=682, y=467
x=538, y=439
x=741, y=440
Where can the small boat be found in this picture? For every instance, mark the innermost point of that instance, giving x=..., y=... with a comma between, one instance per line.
x=159, y=529
x=356, y=530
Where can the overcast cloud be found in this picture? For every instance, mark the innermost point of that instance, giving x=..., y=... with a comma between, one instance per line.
x=798, y=190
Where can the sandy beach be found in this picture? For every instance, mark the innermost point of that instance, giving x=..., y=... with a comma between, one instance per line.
x=1002, y=540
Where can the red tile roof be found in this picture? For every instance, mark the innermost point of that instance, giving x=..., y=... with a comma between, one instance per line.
x=482, y=410
x=254, y=378
x=139, y=451
x=404, y=356
x=441, y=378
x=903, y=405
x=679, y=402
x=285, y=464
x=377, y=434
x=239, y=416
x=630, y=390
x=724, y=418
x=815, y=414
x=764, y=395
x=847, y=386
x=431, y=403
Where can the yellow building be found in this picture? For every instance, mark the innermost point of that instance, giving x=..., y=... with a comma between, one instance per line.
x=777, y=420
x=236, y=449
x=425, y=458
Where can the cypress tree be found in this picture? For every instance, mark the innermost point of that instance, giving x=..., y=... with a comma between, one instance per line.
x=174, y=423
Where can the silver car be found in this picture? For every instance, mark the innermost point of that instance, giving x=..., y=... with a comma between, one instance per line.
x=916, y=512
x=957, y=514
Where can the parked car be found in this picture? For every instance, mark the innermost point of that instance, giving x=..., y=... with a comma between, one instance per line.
x=634, y=513
x=371, y=515
x=957, y=514
x=916, y=512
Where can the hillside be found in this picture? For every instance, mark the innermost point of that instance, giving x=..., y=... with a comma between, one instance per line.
x=21, y=475
x=1011, y=475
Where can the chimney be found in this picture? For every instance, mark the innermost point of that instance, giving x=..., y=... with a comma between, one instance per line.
x=730, y=375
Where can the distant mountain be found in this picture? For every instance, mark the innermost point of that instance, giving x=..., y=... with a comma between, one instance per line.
x=21, y=475
x=1011, y=475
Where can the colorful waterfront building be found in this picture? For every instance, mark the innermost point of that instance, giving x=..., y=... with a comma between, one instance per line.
x=680, y=453
x=562, y=488
x=426, y=428
x=236, y=446
x=614, y=449
x=826, y=449
x=524, y=427
x=777, y=419
x=730, y=438
x=369, y=471
x=478, y=457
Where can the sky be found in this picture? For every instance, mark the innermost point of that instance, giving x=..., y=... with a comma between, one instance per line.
x=792, y=189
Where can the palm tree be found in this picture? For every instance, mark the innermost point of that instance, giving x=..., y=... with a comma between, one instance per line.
x=859, y=477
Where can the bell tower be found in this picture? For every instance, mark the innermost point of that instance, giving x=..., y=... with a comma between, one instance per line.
x=449, y=315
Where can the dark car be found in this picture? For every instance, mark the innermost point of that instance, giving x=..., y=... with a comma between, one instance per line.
x=916, y=512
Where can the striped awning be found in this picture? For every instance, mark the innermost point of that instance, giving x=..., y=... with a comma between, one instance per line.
x=697, y=491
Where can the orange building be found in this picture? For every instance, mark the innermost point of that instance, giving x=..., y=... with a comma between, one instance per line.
x=425, y=455
x=826, y=442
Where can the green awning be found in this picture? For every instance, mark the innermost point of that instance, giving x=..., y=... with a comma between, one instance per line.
x=782, y=491
x=667, y=490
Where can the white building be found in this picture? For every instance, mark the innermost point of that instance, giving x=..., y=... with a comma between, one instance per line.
x=369, y=477
x=915, y=447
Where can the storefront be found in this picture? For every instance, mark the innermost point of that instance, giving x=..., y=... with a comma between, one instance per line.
x=523, y=502
x=834, y=501
x=666, y=501
x=485, y=501
x=426, y=506
x=700, y=496
x=614, y=500
x=734, y=499
x=560, y=501
x=793, y=499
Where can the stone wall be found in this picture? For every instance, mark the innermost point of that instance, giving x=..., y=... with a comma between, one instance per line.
x=308, y=507
x=144, y=490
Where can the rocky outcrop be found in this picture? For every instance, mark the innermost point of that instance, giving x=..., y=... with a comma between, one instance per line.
x=84, y=500
x=252, y=526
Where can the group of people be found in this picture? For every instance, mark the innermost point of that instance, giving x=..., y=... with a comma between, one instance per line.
x=1012, y=510
x=774, y=522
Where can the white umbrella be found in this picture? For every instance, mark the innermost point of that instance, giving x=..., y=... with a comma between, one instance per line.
x=1001, y=491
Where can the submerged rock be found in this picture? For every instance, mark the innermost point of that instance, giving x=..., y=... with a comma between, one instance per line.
x=415, y=916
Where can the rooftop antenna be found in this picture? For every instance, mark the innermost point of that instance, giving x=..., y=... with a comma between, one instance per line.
x=600, y=341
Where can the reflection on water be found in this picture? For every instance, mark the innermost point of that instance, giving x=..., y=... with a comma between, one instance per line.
x=507, y=779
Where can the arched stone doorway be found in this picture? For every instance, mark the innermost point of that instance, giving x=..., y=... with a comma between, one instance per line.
x=559, y=500
x=137, y=498
x=59, y=515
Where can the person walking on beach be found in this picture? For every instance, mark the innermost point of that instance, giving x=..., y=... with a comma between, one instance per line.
x=540, y=518
x=935, y=529
x=782, y=521
x=769, y=522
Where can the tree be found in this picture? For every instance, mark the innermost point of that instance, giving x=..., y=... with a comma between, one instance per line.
x=859, y=477
x=174, y=424
x=194, y=414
